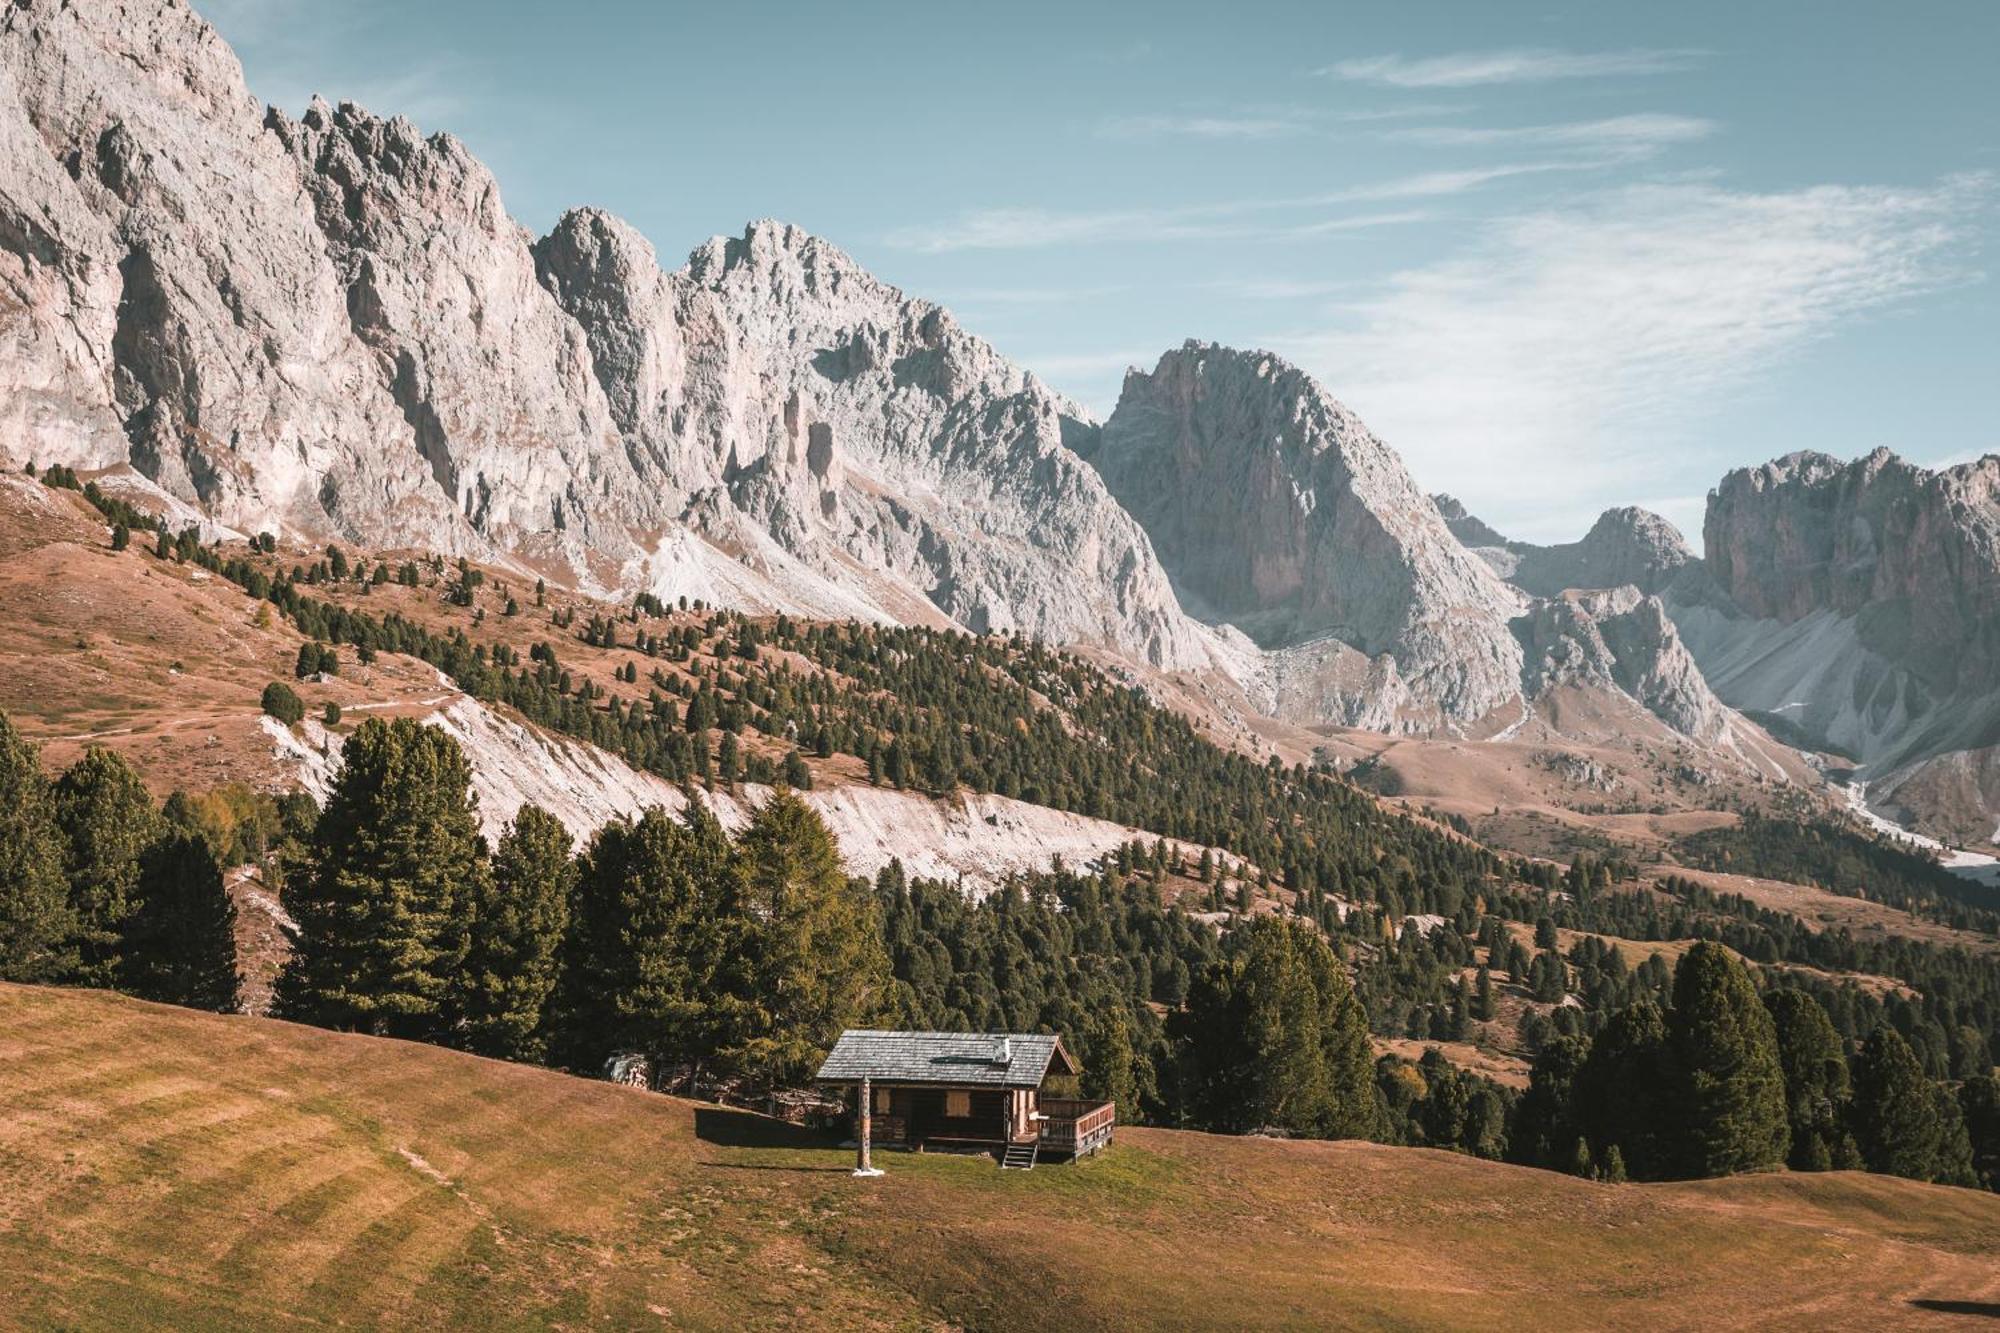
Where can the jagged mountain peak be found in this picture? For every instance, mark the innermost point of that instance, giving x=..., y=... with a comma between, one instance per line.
x=1276, y=509
x=1465, y=525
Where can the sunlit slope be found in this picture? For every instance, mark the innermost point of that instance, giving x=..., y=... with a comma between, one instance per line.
x=163, y=1168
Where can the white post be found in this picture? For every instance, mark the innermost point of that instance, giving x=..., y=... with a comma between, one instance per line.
x=862, y=1166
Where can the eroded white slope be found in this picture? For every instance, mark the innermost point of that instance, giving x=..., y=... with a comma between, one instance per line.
x=976, y=839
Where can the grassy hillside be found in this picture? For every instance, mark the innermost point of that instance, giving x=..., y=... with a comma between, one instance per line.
x=160, y=1167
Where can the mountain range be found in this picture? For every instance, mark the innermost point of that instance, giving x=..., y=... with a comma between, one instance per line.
x=329, y=328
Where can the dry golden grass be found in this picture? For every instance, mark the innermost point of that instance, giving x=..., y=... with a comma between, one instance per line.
x=161, y=1168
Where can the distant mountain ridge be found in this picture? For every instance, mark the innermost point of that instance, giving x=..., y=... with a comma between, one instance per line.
x=328, y=326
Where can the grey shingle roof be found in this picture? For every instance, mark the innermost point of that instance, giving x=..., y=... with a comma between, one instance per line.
x=982, y=1059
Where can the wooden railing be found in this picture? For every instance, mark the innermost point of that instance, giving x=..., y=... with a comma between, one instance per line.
x=1074, y=1126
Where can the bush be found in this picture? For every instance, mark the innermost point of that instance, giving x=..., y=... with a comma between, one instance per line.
x=332, y=715
x=282, y=702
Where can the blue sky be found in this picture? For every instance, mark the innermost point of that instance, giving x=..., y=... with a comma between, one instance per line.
x=1559, y=256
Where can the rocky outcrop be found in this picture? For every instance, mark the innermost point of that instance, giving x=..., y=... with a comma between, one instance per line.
x=1626, y=547
x=330, y=326
x=1276, y=510
x=1621, y=639
x=1857, y=606
x=168, y=287
x=1469, y=528
x=1909, y=555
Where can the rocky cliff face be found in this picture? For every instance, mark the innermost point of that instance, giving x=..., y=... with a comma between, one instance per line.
x=330, y=327
x=1276, y=510
x=1621, y=639
x=166, y=289
x=1859, y=602
x=1910, y=555
x=1626, y=547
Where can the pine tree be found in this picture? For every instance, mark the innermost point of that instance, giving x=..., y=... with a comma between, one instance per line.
x=1979, y=1105
x=1621, y=1087
x=37, y=928
x=179, y=944
x=108, y=820
x=1731, y=1089
x=1816, y=1082
x=1896, y=1124
x=385, y=886
x=518, y=924
x=1274, y=1038
x=1545, y=1128
x=644, y=943
x=808, y=958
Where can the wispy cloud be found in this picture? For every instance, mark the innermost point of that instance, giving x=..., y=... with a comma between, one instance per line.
x=1641, y=133
x=1467, y=69
x=1032, y=228
x=1572, y=341
x=1410, y=111
x=974, y=297
x=1216, y=128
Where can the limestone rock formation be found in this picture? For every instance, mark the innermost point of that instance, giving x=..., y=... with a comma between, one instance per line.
x=1627, y=546
x=1276, y=510
x=1859, y=603
x=328, y=326
x=331, y=327
x=1621, y=639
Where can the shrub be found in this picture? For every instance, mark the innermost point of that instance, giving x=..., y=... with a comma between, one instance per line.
x=282, y=702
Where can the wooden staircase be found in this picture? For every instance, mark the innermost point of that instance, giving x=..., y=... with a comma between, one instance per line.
x=1020, y=1155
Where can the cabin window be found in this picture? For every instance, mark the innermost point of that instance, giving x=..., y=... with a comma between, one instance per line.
x=958, y=1105
x=881, y=1101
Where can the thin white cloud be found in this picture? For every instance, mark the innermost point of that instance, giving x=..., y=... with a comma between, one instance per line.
x=1634, y=133
x=1467, y=69
x=1411, y=111
x=1543, y=371
x=1221, y=128
x=1033, y=228
x=1024, y=296
x=1279, y=289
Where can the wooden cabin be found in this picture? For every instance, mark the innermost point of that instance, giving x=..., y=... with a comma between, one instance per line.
x=976, y=1090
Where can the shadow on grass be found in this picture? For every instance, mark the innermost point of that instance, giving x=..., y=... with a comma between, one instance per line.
x=1978, y=1309
x=727, y=1127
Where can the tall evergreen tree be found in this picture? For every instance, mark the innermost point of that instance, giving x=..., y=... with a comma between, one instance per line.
x=37, y=928
x=385, y=885
x=1979, y=1104
x=1816, y=1082
x=1623, y=1092
x=1896, y=1121
x=1731, y=1087
x=645, y=942
x=108, y=820
x=1274, y=1038
x=179, y=944
x=1545, y=1130
x=518, y=924
x=809, y=959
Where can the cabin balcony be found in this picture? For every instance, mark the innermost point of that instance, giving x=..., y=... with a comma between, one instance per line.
x=1074, y=1127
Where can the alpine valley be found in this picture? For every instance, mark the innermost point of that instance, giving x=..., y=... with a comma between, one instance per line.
x=289, y=402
